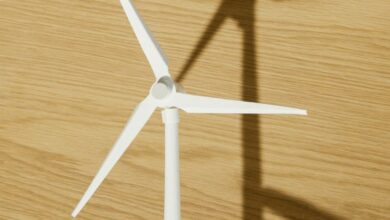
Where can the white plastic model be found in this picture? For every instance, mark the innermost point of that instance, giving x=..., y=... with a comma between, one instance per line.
x=167, y=95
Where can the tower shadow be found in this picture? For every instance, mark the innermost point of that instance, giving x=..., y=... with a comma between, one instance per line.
x=255, y=197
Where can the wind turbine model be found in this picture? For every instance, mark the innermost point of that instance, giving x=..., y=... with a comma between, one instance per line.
x=169, y=96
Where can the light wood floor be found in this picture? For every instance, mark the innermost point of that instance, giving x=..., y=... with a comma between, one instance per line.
x=71, y=72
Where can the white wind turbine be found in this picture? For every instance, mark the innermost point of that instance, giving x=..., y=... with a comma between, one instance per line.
x=169, y=96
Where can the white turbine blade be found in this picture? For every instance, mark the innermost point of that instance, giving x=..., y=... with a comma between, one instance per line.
x=202, y=104
x=139, y=118
x=145, y=38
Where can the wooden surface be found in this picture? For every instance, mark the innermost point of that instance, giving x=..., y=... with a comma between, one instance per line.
x=71, y=72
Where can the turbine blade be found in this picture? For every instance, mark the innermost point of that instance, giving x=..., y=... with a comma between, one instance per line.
x=139, y=118
x=202, y=104
x=149, y=45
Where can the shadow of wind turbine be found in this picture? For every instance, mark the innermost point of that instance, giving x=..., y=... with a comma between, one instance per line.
x=255, y=198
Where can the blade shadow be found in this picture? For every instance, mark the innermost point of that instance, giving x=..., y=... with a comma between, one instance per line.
x=255, y=198
x=292, y=207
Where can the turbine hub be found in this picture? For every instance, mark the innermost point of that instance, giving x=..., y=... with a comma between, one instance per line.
x=162, y=88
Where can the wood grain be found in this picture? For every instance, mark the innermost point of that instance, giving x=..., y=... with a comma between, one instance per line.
x=71, y=72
